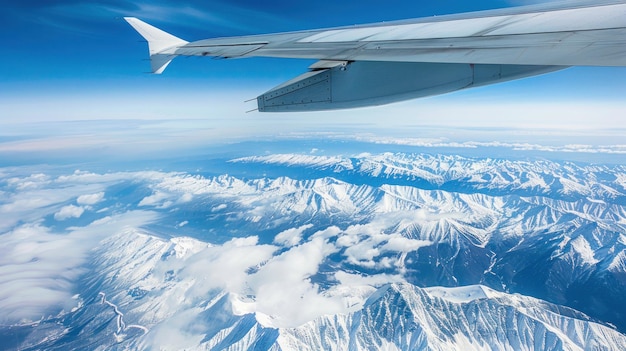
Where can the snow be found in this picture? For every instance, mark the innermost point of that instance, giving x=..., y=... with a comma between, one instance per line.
x=242, y=305
x=618, y=264
x=401, y=316
x=320, y=248
x=462, y=294
x=184, y=246
x=584, y=250
x=335, y=162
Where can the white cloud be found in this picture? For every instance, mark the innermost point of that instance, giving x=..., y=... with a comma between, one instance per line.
x=39, y=267
x=291, y=237
x=279, y=286
x=30, y=198
x=224, y=267
x=398, y=243
x=284, y=291
x=181, y=331
x=530, y=2
x=327, y=233
x=90, y=199
x=157, y=199
x=219, y=207
x=30, y=206
x=363, y=244
x=352, y=280
x=34, y=181
x=69, y=211
x=344, y=163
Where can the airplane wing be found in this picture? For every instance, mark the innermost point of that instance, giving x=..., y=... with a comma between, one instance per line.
x=386, y=62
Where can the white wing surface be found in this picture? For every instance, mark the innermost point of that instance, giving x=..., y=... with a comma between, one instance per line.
x=550, y=37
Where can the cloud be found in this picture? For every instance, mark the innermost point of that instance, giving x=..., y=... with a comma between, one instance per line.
x=34, y=181
x=219, y=207
x=158, y=199
x=75, y=15
x=363, y=244
x=226, y=266
x=69, y=211
x=284, y=291
x=530, y=2
x=277, y=287
x=398, y=243
x=321, y=161
x=90, y=199
x=291, y=237
x=28, y=199
x=31, y=205
x=38, y=267
x=278, y=281
x=350, y=279
x=181, y=331
x=280, y=284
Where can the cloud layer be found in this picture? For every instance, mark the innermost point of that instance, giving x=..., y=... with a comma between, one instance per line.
x=38, y=267
x=44, y=251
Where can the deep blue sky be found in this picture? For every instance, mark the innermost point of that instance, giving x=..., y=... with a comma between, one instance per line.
x=87, y=40
x=70, y=59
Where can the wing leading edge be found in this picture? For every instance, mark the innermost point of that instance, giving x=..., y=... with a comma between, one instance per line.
x=549, y=37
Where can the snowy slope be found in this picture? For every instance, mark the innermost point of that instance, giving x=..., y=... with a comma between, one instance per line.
x=404, y=317
x=146, y=299
x=329, y=257
x=492, y=176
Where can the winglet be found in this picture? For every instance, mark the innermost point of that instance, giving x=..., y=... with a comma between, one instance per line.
x=162, y=45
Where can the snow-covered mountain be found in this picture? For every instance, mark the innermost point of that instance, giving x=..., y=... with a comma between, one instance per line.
x=150, y=307
x=385, y=251
x=405, y=317
x=546, y=229
x=460, y=174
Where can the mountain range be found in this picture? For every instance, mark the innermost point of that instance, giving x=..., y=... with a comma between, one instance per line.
x=361, y=252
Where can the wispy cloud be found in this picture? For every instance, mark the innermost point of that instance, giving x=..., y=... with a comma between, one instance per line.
x=90, y=199
x=69, y=211
x=38, y=267
x=442, y=143
x=78, y=15
x=531, y=2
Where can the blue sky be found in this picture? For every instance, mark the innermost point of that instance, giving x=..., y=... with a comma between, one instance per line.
x=61, y=41
x=69, y=46
x=71, y=60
